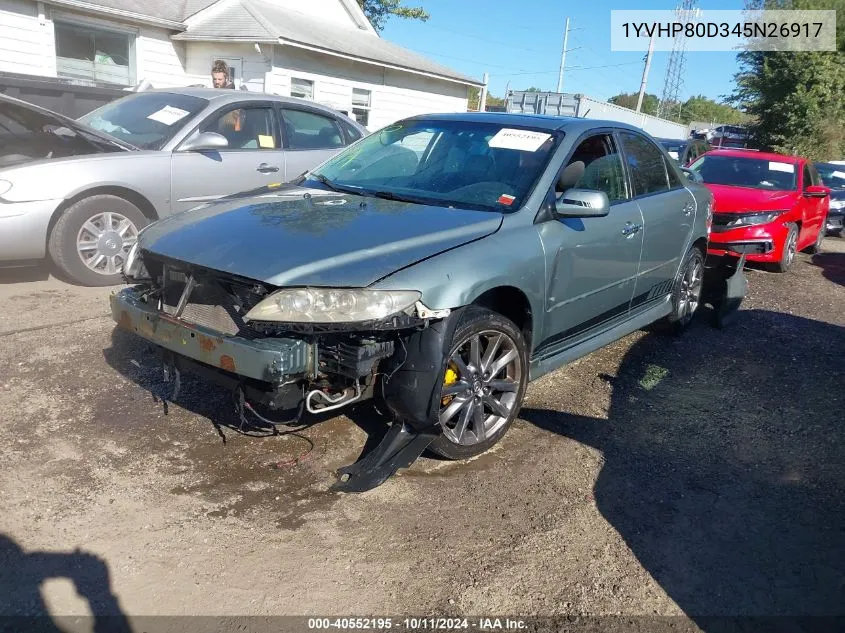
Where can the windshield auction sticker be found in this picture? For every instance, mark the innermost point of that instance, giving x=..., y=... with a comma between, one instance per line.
x=168, y=115
x=523, y=140
x=722, y=30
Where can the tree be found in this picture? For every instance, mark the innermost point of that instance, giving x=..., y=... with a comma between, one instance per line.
x=700, y=108
x=378, y=11
x=629, y=100
x=474, y=98
x=796, y=97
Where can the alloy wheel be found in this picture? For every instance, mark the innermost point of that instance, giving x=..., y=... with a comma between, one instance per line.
x=791, y=244
x=480, y=388
x=691, y=287
x=104, y=241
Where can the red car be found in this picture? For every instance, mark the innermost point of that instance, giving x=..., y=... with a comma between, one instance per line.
x=766, y=199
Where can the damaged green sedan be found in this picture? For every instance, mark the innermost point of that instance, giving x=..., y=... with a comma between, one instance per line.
x=439, y=265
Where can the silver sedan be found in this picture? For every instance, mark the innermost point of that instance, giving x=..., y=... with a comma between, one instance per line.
x=80, y=191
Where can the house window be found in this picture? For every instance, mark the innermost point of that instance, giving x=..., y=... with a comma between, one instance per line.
x=92, y=54
x=302, y=88
x=361, y=105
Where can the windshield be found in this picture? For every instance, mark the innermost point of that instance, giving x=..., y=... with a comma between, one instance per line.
x=146, y=119
x=463, y=164
x=27, y=135
x=833, y=176
x=754, y=173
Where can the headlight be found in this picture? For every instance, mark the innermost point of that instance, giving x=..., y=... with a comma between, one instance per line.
x=5, y=185
x=332, y=305
x=834, y=204
x=133, y=267
x=753, y=219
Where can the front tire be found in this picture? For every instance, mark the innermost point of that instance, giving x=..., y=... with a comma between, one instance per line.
x=91, y=239
x=790, y=247
x=483, y=386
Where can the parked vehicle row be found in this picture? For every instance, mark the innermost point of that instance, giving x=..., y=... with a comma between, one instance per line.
x=82, y=190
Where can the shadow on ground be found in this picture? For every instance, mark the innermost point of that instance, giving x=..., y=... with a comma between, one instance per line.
x=22, y=573
x=832, y=265
x=724, y=470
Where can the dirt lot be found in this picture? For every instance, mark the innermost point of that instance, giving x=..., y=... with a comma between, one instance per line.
x=703, y=475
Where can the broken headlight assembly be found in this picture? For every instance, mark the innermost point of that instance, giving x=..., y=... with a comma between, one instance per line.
x=133, y=267
x=332, y=305
x=754, y=219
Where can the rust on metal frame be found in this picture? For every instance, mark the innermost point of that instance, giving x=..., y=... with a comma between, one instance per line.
x=227, y=363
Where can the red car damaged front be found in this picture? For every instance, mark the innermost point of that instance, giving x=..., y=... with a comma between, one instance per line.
x=764, y=199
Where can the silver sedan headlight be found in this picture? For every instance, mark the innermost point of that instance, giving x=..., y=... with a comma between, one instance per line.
x=332, y=305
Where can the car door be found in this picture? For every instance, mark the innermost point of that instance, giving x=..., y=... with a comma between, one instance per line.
x=591, y=263
x=253, y=159
x=668, y=210
x=310, y=137
x=813, y=209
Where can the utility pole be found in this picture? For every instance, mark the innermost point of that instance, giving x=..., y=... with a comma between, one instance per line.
x=645, y=73
x=563, y=57
x=482, y=100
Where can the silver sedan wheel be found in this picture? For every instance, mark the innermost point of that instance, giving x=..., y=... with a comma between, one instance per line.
x=481, y=391
x=104, y=241
x=691, y=286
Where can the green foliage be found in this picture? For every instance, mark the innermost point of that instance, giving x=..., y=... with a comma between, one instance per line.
x=474, y=96
x=697, y=108
x=629, y=100
x=797, y=98
x=378, y=11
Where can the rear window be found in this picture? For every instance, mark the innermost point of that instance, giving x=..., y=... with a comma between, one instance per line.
x=753, y=173
x=147, y=119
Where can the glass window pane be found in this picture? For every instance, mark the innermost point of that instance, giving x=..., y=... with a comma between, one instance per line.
x=602, y=167
x=244, y=128
x=306, y=130
x=302, y=88
x=648, y=171
x=361, y=97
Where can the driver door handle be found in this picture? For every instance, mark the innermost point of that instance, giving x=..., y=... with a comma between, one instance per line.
x=631, y=229
x=264, y=168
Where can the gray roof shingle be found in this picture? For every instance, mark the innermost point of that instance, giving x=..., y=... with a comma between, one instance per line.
x=169, y=10
x=263, y=20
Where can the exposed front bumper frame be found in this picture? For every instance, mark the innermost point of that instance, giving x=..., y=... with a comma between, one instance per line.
x=271, y=360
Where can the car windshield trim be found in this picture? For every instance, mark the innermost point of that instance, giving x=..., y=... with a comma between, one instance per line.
x=478, y=165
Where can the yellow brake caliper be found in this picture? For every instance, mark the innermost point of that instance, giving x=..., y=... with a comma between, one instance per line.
x=450, y=378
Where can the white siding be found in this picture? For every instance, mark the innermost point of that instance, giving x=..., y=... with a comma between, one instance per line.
x=26, y=46
x=255, y=68
x=160, y=59
x=395, y=94
x=29, y=47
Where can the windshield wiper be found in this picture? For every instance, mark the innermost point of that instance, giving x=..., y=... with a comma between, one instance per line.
x=331, y=185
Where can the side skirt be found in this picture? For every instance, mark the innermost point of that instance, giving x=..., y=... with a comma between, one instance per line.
x=542, y=366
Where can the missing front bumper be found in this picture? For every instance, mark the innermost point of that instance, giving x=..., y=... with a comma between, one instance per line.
x=270, y=360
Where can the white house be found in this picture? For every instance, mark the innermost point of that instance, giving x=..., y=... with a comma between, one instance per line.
x=324, y=50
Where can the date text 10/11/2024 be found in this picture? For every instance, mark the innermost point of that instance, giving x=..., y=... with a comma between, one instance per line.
x=416, y=624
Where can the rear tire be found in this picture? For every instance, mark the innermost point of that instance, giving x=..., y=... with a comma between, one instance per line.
x=92, y=237
x=484, y=385
x=790, y=247
x=687, y=291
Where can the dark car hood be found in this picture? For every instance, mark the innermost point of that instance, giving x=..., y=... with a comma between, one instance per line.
x=728, y=199
x=283, y=238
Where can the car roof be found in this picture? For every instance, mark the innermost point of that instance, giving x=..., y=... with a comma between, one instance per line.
x=537, y=121
x=222, y=96
x=744, y=153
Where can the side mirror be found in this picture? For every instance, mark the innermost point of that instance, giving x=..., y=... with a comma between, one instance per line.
x=582, y=203
x=691, y=175
x=204, y=141
x=816, y=191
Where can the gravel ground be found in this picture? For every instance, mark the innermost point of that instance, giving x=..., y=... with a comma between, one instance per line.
x=701, y=475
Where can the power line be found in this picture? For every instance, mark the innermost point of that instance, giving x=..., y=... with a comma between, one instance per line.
x=569, y=68
x=489, y=41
